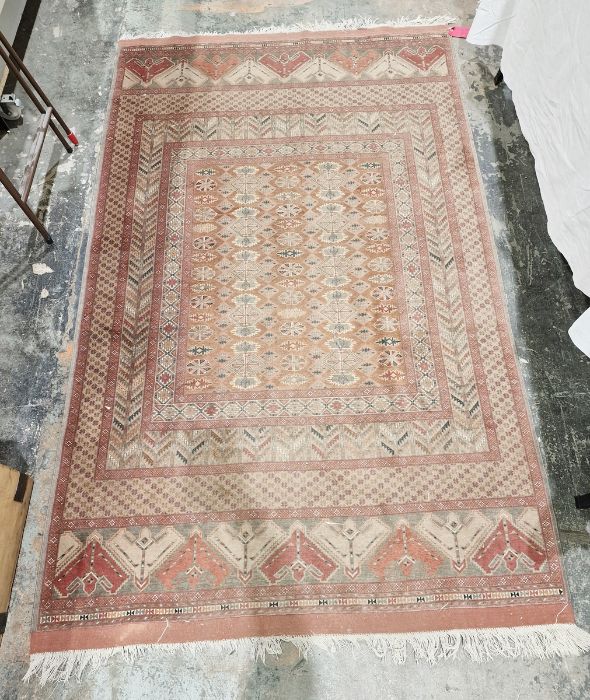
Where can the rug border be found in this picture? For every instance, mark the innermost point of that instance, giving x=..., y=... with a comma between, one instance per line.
x=273, y=626
x=92, y=241
x=142, y=633
x=531, y=416
x=531, y=420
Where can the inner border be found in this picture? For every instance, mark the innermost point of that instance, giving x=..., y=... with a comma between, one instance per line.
x=408, y=380
x=491, y=455
x=148, y=421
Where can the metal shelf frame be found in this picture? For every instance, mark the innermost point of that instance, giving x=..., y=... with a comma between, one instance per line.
x=49, y=119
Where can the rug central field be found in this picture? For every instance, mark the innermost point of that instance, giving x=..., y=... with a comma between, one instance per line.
x=295, y=408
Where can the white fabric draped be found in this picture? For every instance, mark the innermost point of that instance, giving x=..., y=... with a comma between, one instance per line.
x=546, y=64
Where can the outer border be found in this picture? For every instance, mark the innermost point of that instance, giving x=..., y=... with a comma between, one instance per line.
x=329, y=623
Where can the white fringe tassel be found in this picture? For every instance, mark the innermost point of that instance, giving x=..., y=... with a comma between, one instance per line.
x=540, y=641
x=314, y=25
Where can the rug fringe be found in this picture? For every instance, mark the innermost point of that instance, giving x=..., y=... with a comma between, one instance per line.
x=540, y=641
x=318, y=25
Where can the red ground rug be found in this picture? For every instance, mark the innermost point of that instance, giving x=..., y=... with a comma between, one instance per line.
x=296, y=410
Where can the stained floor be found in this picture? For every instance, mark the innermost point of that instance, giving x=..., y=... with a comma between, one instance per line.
x=72, y=51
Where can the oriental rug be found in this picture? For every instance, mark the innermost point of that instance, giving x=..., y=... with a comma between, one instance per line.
x=296, y=410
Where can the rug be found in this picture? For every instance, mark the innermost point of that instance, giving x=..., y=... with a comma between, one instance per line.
x=296, y=411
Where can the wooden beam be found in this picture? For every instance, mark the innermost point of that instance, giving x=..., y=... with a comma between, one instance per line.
x=36, y=147
x=15, y=494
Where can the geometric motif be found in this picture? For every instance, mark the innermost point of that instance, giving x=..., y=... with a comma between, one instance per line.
x=249, y=553
x=256, y=305
x=296, y=406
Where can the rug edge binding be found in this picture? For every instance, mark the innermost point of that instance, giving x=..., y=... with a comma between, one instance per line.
x=480, y=645
x=360, y=22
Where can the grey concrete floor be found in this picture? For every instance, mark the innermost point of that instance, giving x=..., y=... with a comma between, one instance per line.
x=72, y=50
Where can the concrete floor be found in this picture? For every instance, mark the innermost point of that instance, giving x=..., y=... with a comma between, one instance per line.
x=72, y=50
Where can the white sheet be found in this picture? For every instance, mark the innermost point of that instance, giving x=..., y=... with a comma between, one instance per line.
x=546, y=64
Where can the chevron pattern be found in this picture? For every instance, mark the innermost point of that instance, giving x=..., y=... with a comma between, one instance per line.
x=199, y=67
x=295, y=389
x=253, y=553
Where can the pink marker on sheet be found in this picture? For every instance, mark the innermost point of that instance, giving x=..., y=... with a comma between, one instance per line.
x=459, y=32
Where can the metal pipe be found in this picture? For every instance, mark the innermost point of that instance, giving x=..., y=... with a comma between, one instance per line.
x=5, y=180
x=27, y=88
x=17, y=60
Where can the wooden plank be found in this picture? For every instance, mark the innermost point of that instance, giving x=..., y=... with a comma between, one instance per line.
x=36, y=147
x=15, y=494
x=3, y=79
